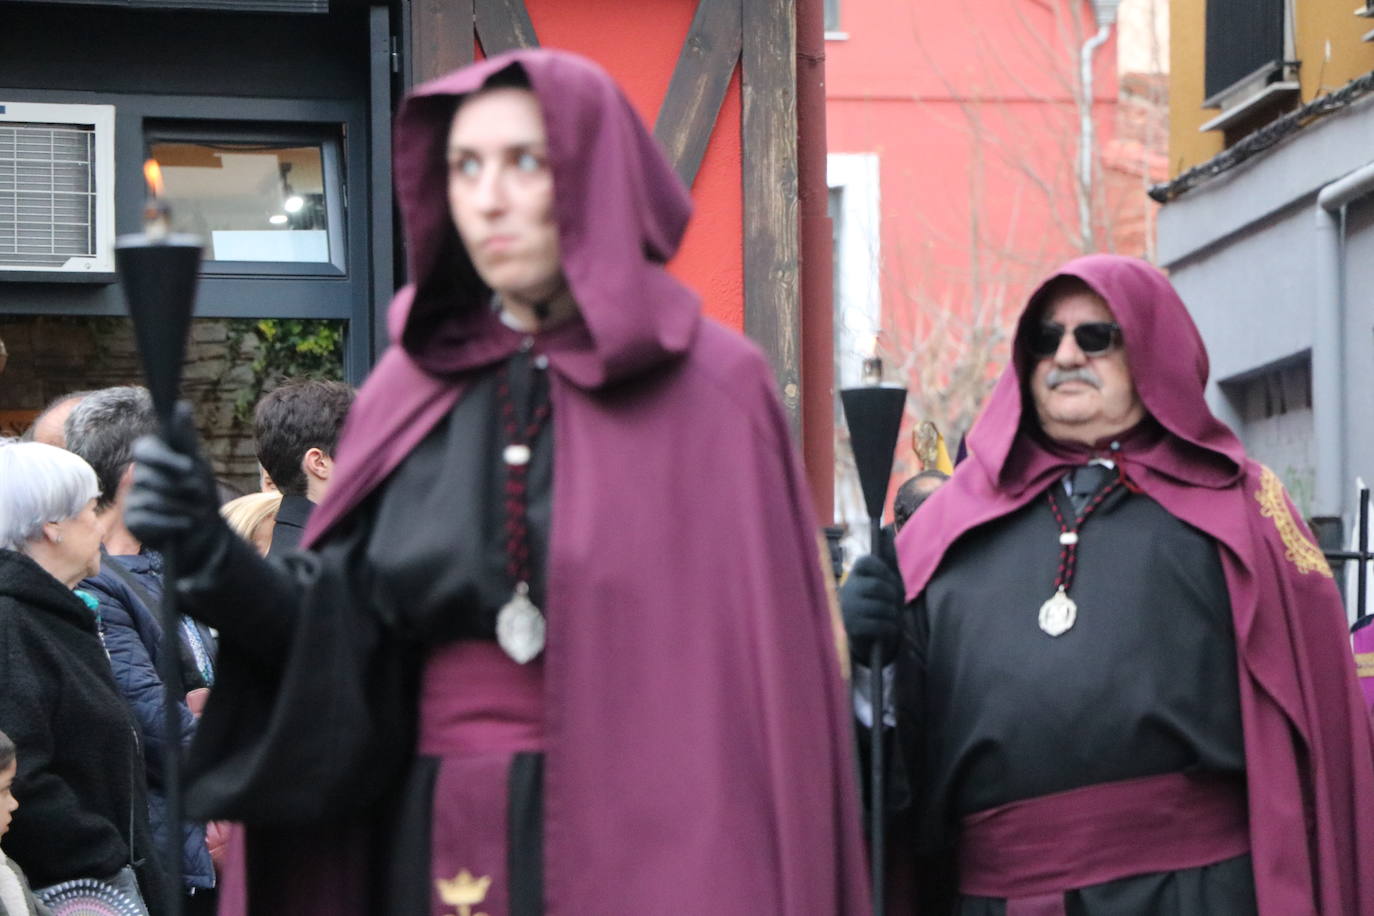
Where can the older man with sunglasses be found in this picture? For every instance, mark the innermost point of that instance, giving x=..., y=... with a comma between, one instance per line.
x=1123, y=679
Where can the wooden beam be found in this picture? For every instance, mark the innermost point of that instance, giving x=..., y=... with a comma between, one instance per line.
x=817, y=250
x=699, y=83
x=441, y=38
x=772, y=300
x=504, y=25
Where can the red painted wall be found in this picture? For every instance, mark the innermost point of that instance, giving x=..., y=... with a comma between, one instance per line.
x=969, y=107
x=963, y=108
x=639, y=43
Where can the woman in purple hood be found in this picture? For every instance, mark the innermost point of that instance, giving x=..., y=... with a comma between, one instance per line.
x=562, y=644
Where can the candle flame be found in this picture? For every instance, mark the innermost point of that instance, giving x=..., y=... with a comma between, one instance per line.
x=152, y=172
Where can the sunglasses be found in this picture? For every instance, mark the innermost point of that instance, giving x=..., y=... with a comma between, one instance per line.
x=1094, y=338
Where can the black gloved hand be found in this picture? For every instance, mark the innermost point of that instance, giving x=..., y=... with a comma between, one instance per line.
x=174, y=499
x=871, y=602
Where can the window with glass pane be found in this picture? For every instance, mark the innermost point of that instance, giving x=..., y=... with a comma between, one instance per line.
x=248, y=201
x=832, y=15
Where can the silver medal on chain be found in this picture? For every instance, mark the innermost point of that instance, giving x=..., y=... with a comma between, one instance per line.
x=1058, y=614
x=520, y=626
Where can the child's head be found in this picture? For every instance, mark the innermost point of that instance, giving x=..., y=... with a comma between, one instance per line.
x=8, y=766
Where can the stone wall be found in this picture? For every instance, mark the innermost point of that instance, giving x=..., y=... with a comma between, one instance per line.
x=50, y=356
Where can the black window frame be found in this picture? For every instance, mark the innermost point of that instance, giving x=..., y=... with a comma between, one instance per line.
x=280, y=7
x=265, y=290
x=327, y=137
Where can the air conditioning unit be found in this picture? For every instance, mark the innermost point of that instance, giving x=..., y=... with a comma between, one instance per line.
x=56, y=188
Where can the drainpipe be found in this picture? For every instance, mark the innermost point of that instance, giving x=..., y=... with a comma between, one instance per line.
x=1104, y=12
x=1328, y=342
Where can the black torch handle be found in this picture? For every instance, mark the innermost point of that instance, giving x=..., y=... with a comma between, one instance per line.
x=878, y=799
x=877, y=790
x=170, y=665
x=158, y=273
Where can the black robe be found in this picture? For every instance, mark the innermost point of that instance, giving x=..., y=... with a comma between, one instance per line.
x=422, y=562
x=992, y=710
x=81, y=787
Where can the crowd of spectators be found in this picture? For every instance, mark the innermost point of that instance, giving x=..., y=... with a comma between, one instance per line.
x=84, y=732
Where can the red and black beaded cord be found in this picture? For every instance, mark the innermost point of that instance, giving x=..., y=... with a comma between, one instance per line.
x=1068, y=552
x=517, y=497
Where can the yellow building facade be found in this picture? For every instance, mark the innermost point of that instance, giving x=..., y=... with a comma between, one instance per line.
x=1323, y=45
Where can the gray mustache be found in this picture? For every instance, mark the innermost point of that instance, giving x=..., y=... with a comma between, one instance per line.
x=1057, y=377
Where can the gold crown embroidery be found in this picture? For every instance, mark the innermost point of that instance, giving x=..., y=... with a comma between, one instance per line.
x=463, y=891
x=1364, y=664
x=1305, y=555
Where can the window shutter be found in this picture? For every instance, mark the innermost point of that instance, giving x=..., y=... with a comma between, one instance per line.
x=1243, y=36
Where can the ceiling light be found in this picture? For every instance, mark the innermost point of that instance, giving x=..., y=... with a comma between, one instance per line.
x=293, y=203
x=278, y=219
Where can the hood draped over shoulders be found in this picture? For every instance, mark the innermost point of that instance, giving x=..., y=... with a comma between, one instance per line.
x=1308, y=739
x=620, y=209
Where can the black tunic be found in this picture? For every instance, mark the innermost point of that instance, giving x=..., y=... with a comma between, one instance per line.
x=992, y=710
x=420, y=563
x=436, y=562
x=434, y=542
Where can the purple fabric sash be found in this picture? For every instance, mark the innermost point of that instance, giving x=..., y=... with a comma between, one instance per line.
x=477, y=709
x=1363, y=642
x=1031, y=852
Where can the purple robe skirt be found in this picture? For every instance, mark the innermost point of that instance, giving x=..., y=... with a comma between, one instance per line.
x=478, y=709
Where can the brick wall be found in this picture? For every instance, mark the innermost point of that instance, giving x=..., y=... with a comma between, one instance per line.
x=50, y=356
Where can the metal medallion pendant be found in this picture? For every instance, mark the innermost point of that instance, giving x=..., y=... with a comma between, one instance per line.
x=1057, y=616
x=520, y=626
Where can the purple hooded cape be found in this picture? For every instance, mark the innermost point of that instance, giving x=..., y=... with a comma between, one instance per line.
x=1309, y=745
x=698, y=741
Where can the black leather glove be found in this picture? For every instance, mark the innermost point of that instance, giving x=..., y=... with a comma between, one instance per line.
x=174, y=501
x=871, y=602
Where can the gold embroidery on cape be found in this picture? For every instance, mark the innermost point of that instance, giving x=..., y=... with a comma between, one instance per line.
x=464, y=892
x=1305, y=555
x=1364, y=664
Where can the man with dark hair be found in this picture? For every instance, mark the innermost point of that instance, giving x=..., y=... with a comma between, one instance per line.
x=49, y=427
x=102, y=429
x=297, y=430
x=914, y=491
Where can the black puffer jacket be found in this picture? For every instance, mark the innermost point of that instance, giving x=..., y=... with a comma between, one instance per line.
x=82, y=809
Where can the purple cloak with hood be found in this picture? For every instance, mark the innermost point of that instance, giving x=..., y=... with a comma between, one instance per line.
x=1309, y=745
x=698, y=750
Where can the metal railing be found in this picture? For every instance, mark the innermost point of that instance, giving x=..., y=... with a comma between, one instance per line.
x=1361, y=555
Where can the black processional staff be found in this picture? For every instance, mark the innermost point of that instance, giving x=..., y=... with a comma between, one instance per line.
x=873, y=413
x=158, y=272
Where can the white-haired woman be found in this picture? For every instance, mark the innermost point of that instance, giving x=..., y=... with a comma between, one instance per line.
x=80, y=770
